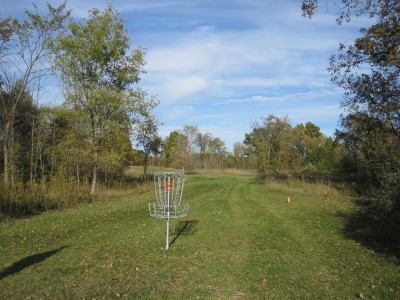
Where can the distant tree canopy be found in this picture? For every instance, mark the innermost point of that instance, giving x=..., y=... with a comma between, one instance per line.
x=273, y=145
x=146, y=136
x=280, y=147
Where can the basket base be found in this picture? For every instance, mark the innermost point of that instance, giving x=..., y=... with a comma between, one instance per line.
x=164, y=212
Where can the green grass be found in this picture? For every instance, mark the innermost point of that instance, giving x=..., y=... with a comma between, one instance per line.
x=241, y=240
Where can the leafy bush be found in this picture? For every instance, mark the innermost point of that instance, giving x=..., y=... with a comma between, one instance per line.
x=309, y=168
x=385, y=197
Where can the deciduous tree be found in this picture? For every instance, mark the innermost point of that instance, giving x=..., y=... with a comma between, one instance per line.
x=203, y=141
x=146, y=136
x=99, y=71
x=218, y=151
x=271, y=142
x=239, y=155
x=188, y=145
x=170, y=148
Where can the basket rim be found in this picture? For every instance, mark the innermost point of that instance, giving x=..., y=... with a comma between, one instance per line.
x=168, y=173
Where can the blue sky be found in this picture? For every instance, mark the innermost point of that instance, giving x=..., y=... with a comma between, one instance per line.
x=223, y=64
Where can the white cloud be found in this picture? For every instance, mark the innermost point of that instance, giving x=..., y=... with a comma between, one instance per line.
x=249, y=58
x=262, y=98
x=176, y=88
x=190, y=56
x=207, y=117
x=300, y=96
x=177, y=112
x=80, y=8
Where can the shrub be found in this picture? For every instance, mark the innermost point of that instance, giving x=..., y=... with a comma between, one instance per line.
x=385, y=198
x=309, y=168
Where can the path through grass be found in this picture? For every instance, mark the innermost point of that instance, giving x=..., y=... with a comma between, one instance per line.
x=241, y=240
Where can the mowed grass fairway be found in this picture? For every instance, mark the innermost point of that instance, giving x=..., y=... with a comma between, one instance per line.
x=241, y=240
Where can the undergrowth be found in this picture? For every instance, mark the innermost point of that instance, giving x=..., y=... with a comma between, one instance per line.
x=25, y=199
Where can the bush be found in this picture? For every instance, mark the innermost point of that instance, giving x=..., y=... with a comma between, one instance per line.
x=385, y=198
x=309, y=168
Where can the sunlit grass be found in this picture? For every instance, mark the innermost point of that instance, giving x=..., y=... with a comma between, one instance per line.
x=241, y=240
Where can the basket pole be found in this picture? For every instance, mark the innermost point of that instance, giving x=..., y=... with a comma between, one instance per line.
x=168, y=212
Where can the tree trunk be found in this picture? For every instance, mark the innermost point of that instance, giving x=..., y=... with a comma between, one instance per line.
x=32, y=151
x=77, y=175
x=12, y=155
x=94, y=179
x=6, y=151
x=52, y=151
x=6, y=161
x=146, y=160
x=94, y=175
x=42, y=167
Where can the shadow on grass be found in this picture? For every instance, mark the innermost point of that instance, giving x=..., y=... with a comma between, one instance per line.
x=28, y=261
x=376, y=232
x=184, y=228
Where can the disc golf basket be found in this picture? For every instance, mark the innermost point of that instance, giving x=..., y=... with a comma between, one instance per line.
x=169, y=190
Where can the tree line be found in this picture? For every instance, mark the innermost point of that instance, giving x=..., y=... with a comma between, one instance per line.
x=273, y=146
x=87, y=139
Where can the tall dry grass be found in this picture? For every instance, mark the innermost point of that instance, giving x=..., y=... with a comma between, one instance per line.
x=137, y=171
x=322, y=186
x=31, y=198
